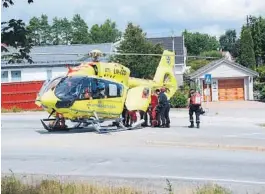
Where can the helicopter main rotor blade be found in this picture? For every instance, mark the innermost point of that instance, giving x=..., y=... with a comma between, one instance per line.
x=125, y=54
x=57, y=54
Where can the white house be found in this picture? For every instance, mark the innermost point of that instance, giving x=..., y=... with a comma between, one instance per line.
x=47, y=66
x=230, y=81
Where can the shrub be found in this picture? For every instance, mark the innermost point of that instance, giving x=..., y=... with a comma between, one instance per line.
x=213, y=189
x=262, y=93
x=196, y=64
x=214, y=53
x=11, y=185
x=261, y=71
x=179, y=100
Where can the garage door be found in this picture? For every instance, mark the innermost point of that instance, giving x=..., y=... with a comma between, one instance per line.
x=231, y=89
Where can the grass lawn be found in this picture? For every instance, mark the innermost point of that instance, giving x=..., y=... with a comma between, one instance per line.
x=12, y=185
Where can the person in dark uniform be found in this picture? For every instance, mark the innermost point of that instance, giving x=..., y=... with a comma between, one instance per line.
x=157, y=109
x=167, y=114
x=194, y=107
x=163, y=106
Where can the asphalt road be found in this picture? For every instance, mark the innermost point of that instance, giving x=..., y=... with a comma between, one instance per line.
x=227, y=150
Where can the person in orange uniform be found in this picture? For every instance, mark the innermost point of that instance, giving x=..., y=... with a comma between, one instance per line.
x=154, y=114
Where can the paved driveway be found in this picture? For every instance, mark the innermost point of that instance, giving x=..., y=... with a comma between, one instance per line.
x=235, y=109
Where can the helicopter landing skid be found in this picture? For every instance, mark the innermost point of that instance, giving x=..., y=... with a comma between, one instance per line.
x=95, y=123
x=55, y=125
x=120, y=127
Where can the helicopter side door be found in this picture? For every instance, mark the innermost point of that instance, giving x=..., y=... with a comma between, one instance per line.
x=101, y=96
x=138, y=98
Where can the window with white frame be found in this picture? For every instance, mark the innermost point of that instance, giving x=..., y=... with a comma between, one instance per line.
x=16, y=75
x=49, y=74
x=4, y=76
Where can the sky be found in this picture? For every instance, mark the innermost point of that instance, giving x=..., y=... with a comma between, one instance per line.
x=156, y=17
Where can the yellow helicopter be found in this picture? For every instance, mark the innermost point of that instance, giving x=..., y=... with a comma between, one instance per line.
x=95, y=92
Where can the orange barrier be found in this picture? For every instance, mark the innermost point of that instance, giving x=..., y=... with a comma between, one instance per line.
x=20, y=95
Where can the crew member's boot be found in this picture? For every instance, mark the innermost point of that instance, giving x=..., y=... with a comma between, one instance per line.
x=191, y=124
x=198, y=125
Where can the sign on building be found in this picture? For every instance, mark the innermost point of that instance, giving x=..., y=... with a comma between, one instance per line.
x=208, y=78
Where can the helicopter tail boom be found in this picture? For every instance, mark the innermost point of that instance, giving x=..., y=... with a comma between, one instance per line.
x=164, y=75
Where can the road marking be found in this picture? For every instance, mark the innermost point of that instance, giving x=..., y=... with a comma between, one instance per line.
x=243, y=135
x=206, y=145
x=145, y=176
x=249, y=137
x=190, y=178
x=217, y=180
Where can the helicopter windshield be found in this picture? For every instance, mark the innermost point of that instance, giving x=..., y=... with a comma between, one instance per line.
x=69, y=88
x=49, y=84
x=81, y=87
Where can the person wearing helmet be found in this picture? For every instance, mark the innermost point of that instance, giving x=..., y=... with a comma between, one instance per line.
x=163, y=106
x=194, y=107
x=100, y=90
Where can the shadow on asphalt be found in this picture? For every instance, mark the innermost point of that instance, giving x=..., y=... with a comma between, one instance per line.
x=86, y=130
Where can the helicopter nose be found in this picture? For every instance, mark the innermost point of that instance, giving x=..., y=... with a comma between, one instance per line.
x=48, y=100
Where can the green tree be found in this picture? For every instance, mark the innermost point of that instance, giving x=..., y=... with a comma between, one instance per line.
x=134, y=41
x=235, y=52
x=80, y=31
x=45, y=30
x=255, y=25
x=66, y=30
x=56, y=30
x=228, y=42
x=262, y=38
x=247, y=55
x=34, y=28
x=14, y=34
x=197, y=43
x=104, y=33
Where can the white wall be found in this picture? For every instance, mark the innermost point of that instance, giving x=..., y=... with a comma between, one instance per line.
x=250, y=92
x=35, y=74
x=225, y=71
x=179, y=71
x=246, y=88
x=214, y=88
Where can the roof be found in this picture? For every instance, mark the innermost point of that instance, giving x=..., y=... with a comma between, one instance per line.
x=167, y=43
x=51, y=60
x=215, y=63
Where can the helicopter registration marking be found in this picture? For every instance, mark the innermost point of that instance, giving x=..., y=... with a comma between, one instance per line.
x=107, y=70
x=118, y=71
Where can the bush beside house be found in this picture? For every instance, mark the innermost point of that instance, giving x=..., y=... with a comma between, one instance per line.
x=179, y=100
x=259, y=84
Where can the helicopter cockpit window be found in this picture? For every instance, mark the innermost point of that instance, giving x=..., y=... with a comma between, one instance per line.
x=106, y=89
x=69, y=88
x=98, y=89
x=49, y=84
x=84, y=88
